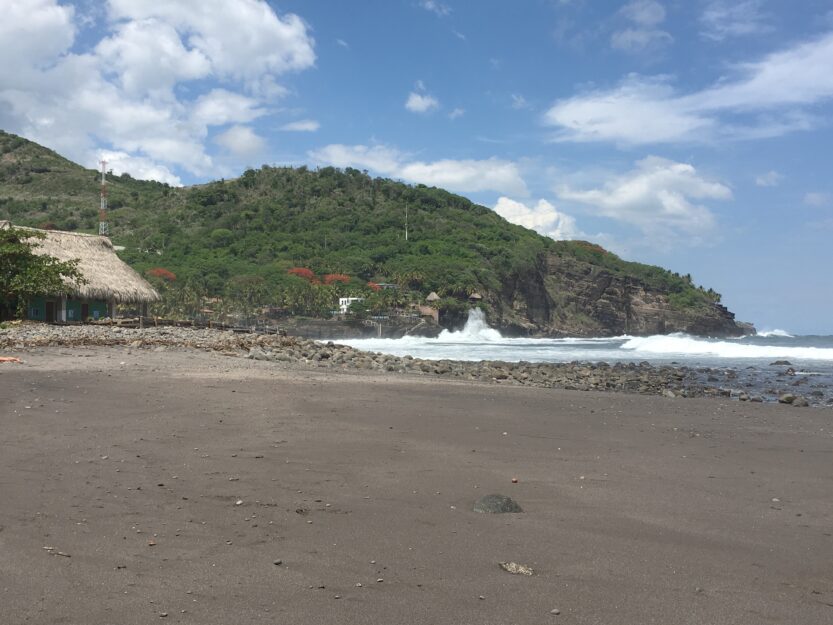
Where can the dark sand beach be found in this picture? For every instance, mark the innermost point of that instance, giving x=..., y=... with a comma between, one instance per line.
x=190, y=487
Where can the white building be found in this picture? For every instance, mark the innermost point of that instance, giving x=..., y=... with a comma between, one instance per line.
x=344, y=303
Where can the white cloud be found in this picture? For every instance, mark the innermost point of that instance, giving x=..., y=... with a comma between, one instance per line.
x=723, y=20
x=301, y=125
x=638, y=39
x=219, y=107
x=816, y=199
x=379, y=158
x=140, y=89
x=457, y=112
x=343, y=44
x=33, y=33
x=543, y=217
x=241, y=141
x=149, y=55
x=644, y=12
x=435, y=7
x=762, y=99
x=138, y=167
x=643, y=34
x=421, y=102
x=659, y=196
x=769, y=179
x=462, y=176
x=243, y=39
x=467, y=176
x=519, y=102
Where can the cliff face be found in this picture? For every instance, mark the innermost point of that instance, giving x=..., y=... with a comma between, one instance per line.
x=564, y=296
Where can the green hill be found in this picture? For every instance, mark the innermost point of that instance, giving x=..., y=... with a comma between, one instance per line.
x=237, y=239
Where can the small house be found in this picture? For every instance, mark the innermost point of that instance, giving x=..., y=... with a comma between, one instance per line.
x=108, y=279
x=345, y=302
x=432, y=297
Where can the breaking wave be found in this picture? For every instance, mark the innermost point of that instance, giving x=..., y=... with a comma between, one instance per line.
x=782, y=333
x=477, y=341
x=687, y=346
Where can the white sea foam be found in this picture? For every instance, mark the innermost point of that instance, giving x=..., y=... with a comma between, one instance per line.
x=477, y=341
x=476, y=330
x=776, y=332
x=686, y=346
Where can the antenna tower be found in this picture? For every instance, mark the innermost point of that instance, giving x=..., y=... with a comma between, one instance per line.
x=103, y=226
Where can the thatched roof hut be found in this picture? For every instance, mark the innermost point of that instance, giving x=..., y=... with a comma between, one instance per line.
x=475, y=296
x=432, y=297
x=108, y=277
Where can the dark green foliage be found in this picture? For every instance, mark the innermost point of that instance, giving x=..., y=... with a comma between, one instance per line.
x=24, y=274
x=238, y=238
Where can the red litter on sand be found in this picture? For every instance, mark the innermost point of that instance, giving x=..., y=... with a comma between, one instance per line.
x=514, y=480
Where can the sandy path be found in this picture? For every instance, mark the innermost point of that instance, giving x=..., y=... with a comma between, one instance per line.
x=637, y=509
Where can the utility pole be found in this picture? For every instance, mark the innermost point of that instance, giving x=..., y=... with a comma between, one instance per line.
x=103, y=226
x=406, y=222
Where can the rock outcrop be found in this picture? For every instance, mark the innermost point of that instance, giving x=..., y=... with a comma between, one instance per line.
x=565, y=296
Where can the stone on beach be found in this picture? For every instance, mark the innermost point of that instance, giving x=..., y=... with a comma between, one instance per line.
x=496, y=504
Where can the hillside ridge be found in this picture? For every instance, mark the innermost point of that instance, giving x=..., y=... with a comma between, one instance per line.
x=244, y=242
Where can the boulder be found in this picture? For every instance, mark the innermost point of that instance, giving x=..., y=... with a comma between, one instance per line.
x=496, y=504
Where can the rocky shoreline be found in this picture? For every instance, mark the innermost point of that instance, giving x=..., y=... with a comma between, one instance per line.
x=294, y=352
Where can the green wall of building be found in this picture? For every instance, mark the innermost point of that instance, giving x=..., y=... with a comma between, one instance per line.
x=37, y=308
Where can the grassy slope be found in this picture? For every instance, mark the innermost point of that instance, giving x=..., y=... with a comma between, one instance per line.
x=271, y=219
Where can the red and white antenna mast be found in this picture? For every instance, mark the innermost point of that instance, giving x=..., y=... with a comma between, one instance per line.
x=103, y=226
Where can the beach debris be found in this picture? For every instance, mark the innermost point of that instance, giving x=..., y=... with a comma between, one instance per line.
x=515, y=568
x=496, y=504
x=239, y=502
x=151, y=543
x=514, y=480
x=555, y=611
x=54, y=552
x=277, y=562
x=10, y=359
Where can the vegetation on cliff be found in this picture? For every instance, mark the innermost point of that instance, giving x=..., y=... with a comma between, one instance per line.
x=239, y=240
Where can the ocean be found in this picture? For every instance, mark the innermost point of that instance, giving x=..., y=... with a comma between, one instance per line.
x=746, y=363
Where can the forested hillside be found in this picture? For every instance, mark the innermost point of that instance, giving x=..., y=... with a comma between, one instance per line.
x=297, y=237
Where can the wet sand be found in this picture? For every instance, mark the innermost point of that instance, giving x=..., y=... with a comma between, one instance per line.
x=637, y=509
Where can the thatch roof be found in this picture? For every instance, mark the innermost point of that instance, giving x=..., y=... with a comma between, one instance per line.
x=432, y=297
x=108, y=277
x=475, y=295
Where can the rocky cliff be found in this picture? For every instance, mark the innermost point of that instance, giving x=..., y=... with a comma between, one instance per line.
x=565, y=296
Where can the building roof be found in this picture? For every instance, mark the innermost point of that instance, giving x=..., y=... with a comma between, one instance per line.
x=475, y=295
x=108, y=277
x=432, y=297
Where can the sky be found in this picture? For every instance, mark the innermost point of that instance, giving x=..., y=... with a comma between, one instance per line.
x=692, y=134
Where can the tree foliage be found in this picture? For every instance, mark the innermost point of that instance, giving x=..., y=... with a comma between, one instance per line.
x=25, y=274
x=291, y=227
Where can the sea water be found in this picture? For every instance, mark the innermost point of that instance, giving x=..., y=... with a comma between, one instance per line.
x=745, y=363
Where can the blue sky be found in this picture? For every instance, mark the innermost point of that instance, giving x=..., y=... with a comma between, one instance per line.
x=692, y=134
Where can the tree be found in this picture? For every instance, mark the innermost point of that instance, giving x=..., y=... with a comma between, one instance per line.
x=25, y=274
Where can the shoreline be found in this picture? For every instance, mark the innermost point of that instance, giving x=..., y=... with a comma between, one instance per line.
x=287, y=351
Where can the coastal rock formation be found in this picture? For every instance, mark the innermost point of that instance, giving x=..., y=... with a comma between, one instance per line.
x=565, y=296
